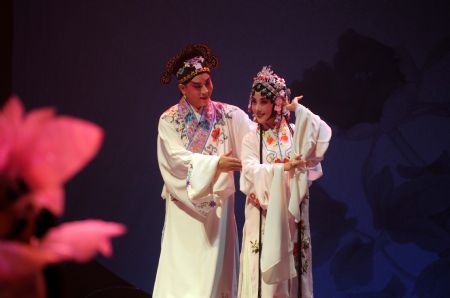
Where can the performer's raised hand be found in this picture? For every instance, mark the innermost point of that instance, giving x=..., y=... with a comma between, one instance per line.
x=229, y=163
x=294, y=103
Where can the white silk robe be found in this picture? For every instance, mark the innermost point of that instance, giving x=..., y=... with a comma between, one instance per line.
x=199, y=246
x=277, y=191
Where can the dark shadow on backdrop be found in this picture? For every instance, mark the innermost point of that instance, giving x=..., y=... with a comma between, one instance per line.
x=6, y=29
x=89, y=280
x=366, y=85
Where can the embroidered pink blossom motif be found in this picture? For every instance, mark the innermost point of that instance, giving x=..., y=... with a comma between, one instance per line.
x=270, y=140
x=215, y=134
x=284, y=138
x=253, y=199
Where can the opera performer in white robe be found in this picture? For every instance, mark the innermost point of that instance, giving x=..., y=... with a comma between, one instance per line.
x=198, y=145
x=279, y=163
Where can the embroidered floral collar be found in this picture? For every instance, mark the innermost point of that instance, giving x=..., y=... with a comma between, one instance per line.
x=197, y=131
x=277, y=142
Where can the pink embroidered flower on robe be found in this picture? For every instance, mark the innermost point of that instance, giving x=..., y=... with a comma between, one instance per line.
x=284, y=138
x=39, y=152
x=215, y=134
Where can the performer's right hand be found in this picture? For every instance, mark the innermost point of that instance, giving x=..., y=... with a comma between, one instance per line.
x=228, y=163
x=294, y=162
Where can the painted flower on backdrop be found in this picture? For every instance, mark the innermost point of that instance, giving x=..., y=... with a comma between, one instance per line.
x=39, y=152
x=362, y=68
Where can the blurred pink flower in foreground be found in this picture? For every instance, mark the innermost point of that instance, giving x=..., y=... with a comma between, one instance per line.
x=44, y=150
x=39, y=152
x=74, y=241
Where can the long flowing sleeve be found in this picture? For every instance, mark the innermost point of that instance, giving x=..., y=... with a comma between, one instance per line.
x=277, y=259
x=311, y=139
x=188, y=177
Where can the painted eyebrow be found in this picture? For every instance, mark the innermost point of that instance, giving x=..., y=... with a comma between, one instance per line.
x=199, y=83
x=202, y=82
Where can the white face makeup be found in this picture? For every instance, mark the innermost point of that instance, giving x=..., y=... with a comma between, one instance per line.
x=198, y=91
x=262, y=110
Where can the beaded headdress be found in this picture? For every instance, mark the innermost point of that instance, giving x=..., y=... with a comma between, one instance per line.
x=188, y=63
x=191, y=68
x=272, y=87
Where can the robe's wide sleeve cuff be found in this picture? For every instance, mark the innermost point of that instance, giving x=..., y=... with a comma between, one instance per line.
x=263, y=175
x=277, y=260
x=311, y=138
x=200, y=178
x=255, y=181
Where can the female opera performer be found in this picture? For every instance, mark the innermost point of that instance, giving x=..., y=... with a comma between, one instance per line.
x=279, y=162
x=198, y=145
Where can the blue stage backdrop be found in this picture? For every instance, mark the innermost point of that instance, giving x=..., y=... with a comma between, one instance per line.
x=377, y=71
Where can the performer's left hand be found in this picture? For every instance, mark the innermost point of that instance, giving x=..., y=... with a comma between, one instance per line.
x=294, y=103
